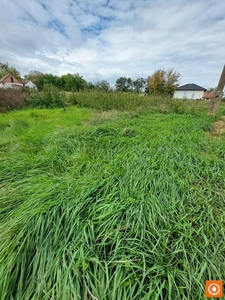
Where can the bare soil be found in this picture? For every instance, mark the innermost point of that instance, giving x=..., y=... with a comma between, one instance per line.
x=219, y=126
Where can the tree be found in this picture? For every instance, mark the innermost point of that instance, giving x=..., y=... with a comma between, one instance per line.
x=121, y=84
x=218, y=95
x=130, y=84
x=90, y=86
x=139, y=85
x=163, y=82
x=124, y=84
x=5, y=69
x=210, y=90
x=36, y=77
x=103, y=85
x=74, y=82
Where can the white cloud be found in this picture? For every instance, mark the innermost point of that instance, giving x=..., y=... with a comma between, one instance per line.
x=106, y=39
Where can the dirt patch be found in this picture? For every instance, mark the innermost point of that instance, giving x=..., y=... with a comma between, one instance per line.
x=219, y=127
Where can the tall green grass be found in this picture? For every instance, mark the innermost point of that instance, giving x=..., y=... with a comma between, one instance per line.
x=128, y=208
x=116, y=100
x=105, y=101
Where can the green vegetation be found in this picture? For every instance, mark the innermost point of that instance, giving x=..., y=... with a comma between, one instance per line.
x=5, y=69
x=111, y=204
x=49, y=97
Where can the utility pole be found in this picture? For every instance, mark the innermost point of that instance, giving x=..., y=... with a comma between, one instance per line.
x=218, y=94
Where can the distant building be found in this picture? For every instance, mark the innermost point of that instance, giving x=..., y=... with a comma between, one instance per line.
x=30, y=84
x=10, y=81
x=207, y=95
x=189, y=91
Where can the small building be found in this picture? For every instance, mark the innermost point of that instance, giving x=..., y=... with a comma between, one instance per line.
x=189, y=91
x=207, y=95
x=30, y=84
x=10, y=81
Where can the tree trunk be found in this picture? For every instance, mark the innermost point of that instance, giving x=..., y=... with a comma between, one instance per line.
x=218, y=94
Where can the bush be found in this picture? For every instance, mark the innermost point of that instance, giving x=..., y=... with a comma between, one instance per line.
x=103, y=101
x=49, y=97
x=12, y=99
x=72, y=97
x=177, y=107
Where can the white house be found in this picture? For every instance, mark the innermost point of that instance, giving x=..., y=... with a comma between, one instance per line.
x=30, y=84
x=189, y=91
x=10, y=81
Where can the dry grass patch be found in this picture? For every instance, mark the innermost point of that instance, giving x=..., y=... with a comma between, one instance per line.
x=108, y=115
x=219, y=128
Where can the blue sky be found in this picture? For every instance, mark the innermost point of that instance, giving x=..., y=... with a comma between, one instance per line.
x=107, y=39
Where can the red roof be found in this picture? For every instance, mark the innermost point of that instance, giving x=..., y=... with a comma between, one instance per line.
x=7, y=75
x=207, y=95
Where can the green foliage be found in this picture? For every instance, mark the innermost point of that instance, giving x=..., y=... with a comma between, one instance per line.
x=71, y=98
x=139, y=85
x=36, y=77
x=73, y=82
x=177, y=107
x=126, y=208
x=68, y=82
x=102, y=85
x=91, y=86
x=5, y=69
x=129, y=101
x=111, y=100
x=128, y=85
x=211, y=90
x=49, y=97
x=124, y=84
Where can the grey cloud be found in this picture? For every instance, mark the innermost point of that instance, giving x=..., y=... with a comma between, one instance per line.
x=134, y=38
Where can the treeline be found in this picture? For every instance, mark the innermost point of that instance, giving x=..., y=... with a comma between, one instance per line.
x=162, y=82
x=76, y=83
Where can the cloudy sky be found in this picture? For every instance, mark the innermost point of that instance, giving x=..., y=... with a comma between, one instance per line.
x=107, y=39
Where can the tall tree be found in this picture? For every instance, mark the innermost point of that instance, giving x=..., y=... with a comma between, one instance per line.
x=103, y=85
x=74, y=82
x=91, y=86
x=139, y=85
x=5, y=69
x=163, y=82
x=124, y=84
x=36, y=77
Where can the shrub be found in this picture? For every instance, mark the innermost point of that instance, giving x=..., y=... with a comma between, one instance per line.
x=12, y=99
x=177, y=107
x=72, y=98
x=49, y=97
x=103, y=101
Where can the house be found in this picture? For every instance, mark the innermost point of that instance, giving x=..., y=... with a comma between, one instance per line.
x=207, y=95
x=10, y=81
x=30, y=84
x=189, y=91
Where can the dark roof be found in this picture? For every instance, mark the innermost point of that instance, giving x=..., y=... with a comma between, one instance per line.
x=191, y=87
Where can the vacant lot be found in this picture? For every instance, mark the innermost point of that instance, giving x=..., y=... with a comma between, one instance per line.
x=110, y=205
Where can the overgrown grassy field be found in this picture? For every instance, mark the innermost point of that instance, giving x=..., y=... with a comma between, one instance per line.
x=110, y=205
